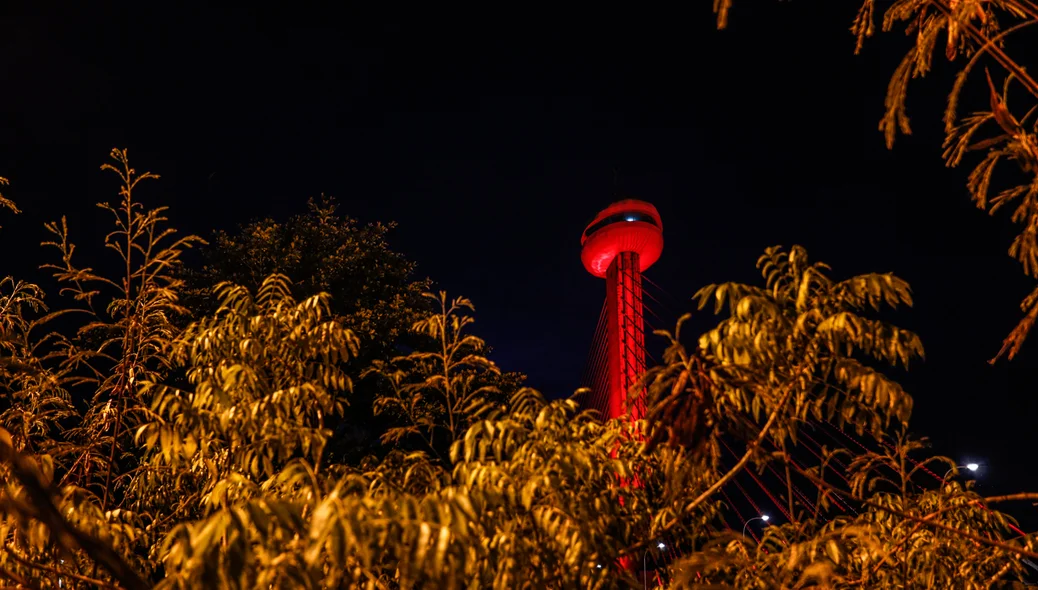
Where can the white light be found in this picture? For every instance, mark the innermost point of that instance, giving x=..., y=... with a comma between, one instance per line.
x=972, y=466
x=599, y=566
x=662, y=545
x=630, y=218
x=765, y=518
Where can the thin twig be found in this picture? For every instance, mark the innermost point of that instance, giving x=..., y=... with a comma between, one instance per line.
x=55, y=571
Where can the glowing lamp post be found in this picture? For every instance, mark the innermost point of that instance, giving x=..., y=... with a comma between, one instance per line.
x=623, y=240
x=970, y=466
x=762, y=517
x=645, y=563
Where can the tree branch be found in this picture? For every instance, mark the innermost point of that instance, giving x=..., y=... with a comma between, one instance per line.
x=63, y=532
x=22, y=582
x=710, y=491
x=750, y=449
x=994, y=51
x=53, y=571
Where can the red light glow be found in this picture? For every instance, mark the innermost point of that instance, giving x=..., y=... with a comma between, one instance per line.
x=604, y=244
x=623, y=240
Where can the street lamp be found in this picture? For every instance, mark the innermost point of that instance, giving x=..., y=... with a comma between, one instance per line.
x=645, y=567
x=971, y=466
x=763, y=517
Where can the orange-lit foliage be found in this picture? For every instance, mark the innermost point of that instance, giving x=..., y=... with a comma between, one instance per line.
x=988, y=34
x=200, y=460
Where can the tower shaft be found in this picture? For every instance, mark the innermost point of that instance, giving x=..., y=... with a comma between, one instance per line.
x=625, y=335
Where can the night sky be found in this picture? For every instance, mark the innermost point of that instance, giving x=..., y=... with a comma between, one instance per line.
x=493, y=135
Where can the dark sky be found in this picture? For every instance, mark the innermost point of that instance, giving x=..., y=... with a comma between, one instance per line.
x=493, y=135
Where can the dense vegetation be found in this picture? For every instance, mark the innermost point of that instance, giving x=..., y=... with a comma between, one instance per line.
x=376, y=297
x=140, y=451
x=295, y=411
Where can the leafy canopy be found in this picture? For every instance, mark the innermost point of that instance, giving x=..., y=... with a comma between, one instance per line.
x=138, y=454
x=375, y=293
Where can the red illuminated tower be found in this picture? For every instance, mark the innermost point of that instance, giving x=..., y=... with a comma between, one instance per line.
x=621, y=242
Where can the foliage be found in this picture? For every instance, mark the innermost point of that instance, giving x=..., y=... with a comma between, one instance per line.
x=531, y=503
x=890, y=542
x=129, y=340
x=795, y=350
x=200, y=457
x=6, y=203
x=35, y=407
x=974, y=32
x=81, y=461
x=374, y=294
x=265, y=371
x=438, y=392
x=789, y=351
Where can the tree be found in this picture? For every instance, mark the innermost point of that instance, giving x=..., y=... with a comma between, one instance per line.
x=265, y=370
x=904, y=535
x=439, y=390
x=975, y=32
x=531, y=498
x=374, y=292
x=788, y=351
x=200, y=461
x=76, y=465
x=800, y=349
